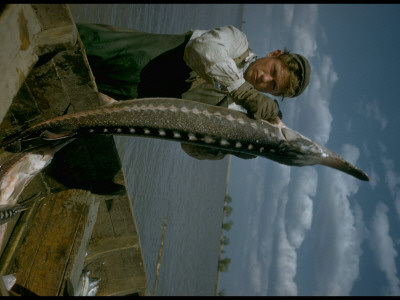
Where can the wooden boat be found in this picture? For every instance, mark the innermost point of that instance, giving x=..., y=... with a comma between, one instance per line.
x=83, y=224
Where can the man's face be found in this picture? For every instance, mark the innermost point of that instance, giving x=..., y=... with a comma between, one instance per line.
x=268, y=74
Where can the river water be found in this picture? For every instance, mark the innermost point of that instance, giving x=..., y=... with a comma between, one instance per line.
x=173, y=196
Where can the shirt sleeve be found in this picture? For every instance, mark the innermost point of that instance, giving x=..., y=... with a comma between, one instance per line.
x=210, y=54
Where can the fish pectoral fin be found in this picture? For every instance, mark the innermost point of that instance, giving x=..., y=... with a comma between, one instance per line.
x=51, y=136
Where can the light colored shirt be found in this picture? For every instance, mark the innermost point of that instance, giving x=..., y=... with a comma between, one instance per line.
x=211, y=53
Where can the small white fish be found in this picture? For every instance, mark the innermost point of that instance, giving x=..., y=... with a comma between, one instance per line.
x=9, y=281
x=86, y=286
x=18, y=171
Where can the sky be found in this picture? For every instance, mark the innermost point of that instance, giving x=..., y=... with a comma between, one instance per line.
x=314, y=230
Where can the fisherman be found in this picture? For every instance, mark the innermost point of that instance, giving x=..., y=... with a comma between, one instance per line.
x=213, y=66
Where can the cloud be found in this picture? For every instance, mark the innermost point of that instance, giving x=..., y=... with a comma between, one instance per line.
x=392, y=179
x=292, y=26
x=280, y=220
x=278, y=257
x=382, y=146
x=304, y=28
x=393, y=182
x=362, y=231
x=288, y=14
x=275, y=197
x=337, y=229
x=372, y=110
x=299, y=210
x=293, y=217
x=288, y=217
x=286, y=267
x=383, y=247
x=263, y=187
x=313, y=117
x=373, y=178
x=271, y=258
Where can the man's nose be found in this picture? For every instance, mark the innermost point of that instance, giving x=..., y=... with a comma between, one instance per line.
x=267, y=78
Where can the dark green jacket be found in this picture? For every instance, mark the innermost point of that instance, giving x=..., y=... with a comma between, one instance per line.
x=131, y=64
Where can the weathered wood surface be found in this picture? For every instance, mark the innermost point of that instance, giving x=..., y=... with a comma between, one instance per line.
x=46, y=245
x=114, y=249
x=56, y=242
x=27, y=31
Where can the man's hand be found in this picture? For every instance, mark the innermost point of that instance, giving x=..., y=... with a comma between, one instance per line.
x=278, y=122
x=258, y=105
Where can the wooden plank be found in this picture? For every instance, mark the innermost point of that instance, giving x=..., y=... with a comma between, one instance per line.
x=114, y=252
x=121, y=273
x=55, y=241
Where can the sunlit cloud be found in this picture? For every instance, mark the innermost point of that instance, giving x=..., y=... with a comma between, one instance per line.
x=299, y=210
x=304, y=28
x=338, y=245
x=272, y=216
x=383, y=247
x=286, y=267
x=285, y=226
x=262, y=205
x=272, y=263
x=282, y=264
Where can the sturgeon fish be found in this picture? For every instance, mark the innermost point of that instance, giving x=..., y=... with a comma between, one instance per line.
x=189, y=122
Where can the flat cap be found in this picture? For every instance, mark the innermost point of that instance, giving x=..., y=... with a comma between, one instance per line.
x=303, y=73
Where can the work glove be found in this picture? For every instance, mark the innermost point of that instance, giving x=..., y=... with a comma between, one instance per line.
x=258, y=106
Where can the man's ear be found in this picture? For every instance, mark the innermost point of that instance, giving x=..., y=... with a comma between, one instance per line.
x=274, y=53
